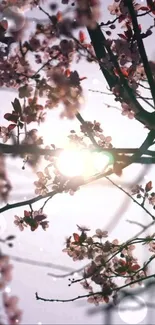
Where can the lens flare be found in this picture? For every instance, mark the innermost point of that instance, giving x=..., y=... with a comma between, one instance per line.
x=15, y=18
x=71, y=163
x=130, y=312
x=82, y=163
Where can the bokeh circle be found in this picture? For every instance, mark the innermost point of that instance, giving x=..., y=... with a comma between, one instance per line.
x=132, y=310
x=15, y=18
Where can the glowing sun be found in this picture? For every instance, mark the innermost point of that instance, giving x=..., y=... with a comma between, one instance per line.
x=81, y=163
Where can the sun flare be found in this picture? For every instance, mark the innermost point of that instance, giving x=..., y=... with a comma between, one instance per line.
x=81, y=163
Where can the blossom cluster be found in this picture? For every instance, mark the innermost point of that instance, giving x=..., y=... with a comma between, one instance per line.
x=51, y=177
x=32, y=219
x=145, y=193
x=10, y=303
x=110, y=260
x=20, y=3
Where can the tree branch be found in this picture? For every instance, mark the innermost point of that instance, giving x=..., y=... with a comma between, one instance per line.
x=96, y=293
x=141, y=48
x=33, y=149
x=100, y=44
x=130, y=196
x=146, y=144
x=69, y=300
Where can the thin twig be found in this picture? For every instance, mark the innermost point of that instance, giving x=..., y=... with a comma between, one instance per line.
x=68, y=300
x=141, y=48
x=131, y=197
x=95, y=293
x=136, y=223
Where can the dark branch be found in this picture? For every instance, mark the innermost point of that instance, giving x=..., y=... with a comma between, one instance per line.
x=141, y=48
x=68, y=300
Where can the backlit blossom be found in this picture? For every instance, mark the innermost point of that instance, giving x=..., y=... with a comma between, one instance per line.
x=41, y=184
x=152, y=199
x=101, y=234
x=4, y=134
x=19, y=222
x=114, y=9
x=137, y=190
x=126, y=111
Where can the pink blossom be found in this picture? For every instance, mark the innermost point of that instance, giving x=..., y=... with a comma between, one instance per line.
x=4, y=134
x=114, y=9
x=10, y=303
x=25, y=91
x=86, y=285
x=137, y=189
x=127, y=111
x=95, y=299
x=139, y=73
x=41, y=184
x=152, y=199
x=101, y=234
x=19, y=222
x=6, y=272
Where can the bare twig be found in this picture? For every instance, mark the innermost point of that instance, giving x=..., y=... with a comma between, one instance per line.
x=131, y=197
x=141, y=48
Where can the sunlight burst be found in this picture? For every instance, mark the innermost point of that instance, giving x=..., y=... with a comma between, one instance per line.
x=81, y=163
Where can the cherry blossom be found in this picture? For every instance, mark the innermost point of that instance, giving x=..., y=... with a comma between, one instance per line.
x=115, y=9
x=127, y=111
x=19, y=222
x=101, y=234
x=32, y=219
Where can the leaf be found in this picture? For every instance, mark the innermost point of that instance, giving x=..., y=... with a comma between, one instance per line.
x=67, y=73
x=40, y=217
x=34, y=227
x=4, y=24
x=123, y=71
x=64, y=2
x=11, y=237
x=7, y=116
x=59, y=16
x=28, y=220
x=44, y=224
x=135, y=267
x=121, y=270
x=117, y=169
x=27, y=213
x=128, y=33
x=122, y=36
x=83, y=237
x=82, y=36
x=11, y=127
x=76, y=237
x=11, y=117
x=148, y=33
x=144, y=8
x=83, y=78
x=151, y=5
x=106, y=299
x=21, y=125
x=16, y=105
x=148, y=186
